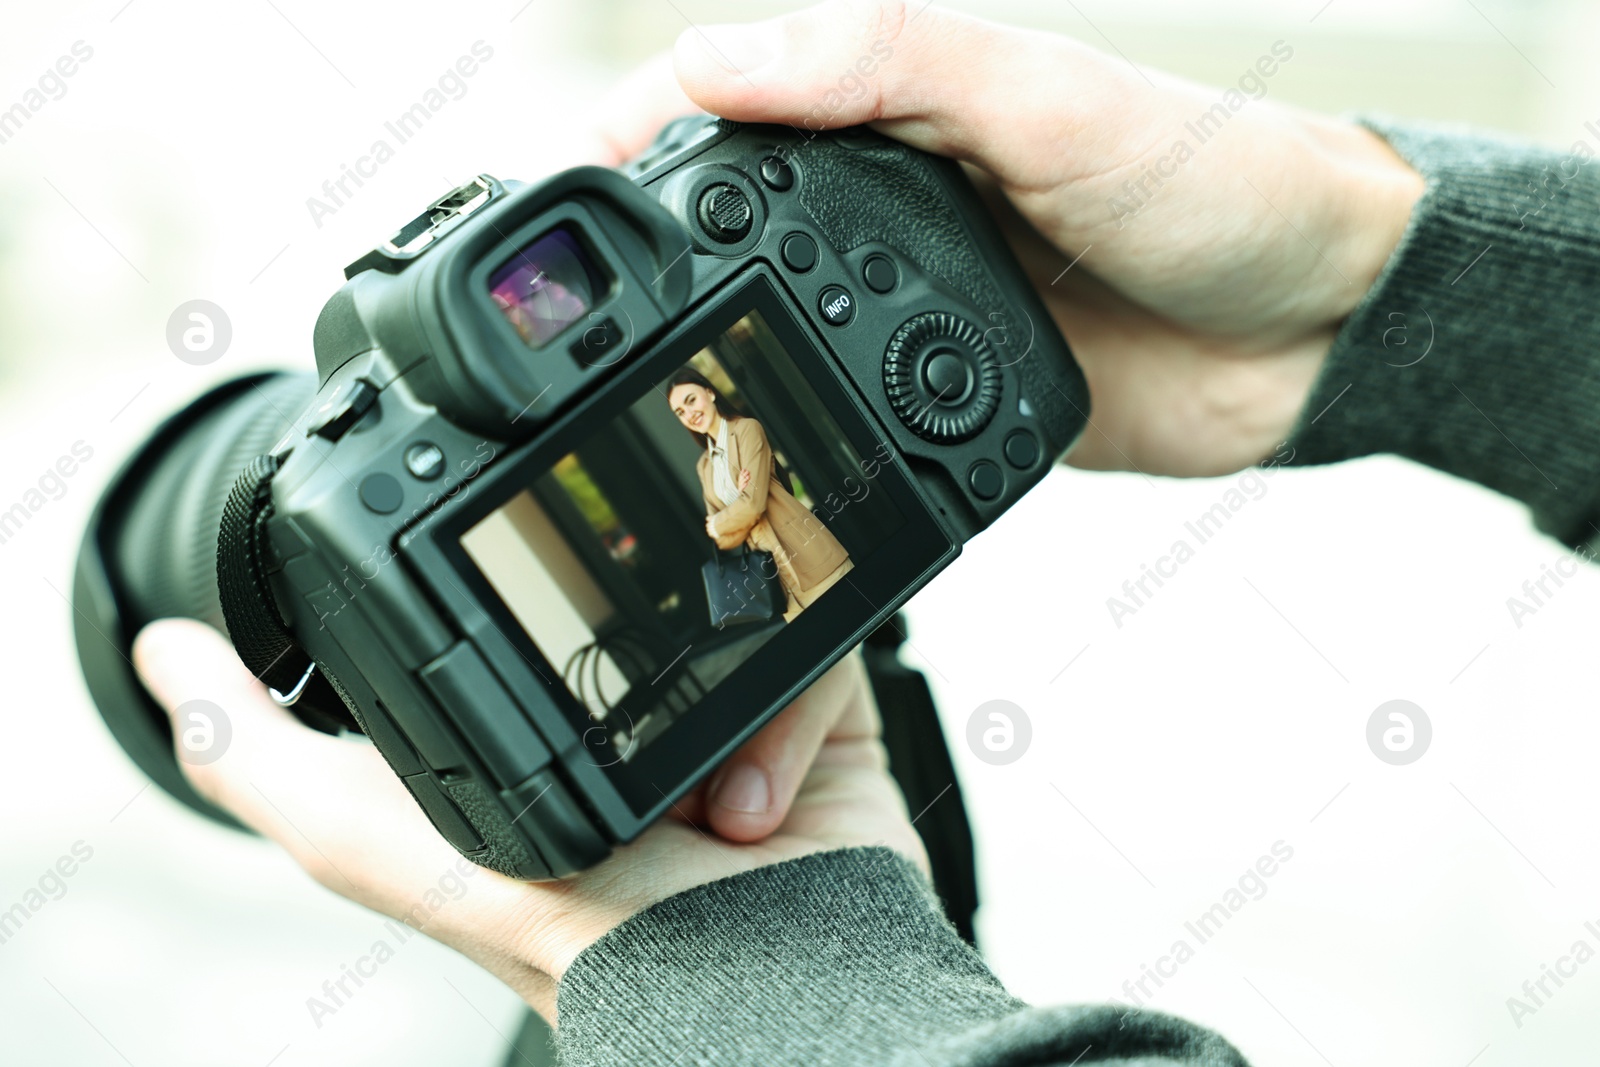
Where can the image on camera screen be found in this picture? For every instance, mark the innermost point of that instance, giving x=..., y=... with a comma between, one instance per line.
x=547, y=286
x=683, y=535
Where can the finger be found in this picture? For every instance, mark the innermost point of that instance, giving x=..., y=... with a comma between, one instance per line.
x=290, y=783
x=750, y=796
x=632, y=112
x=999, y=97
x=331, y=803
x=221, y=717
x=691, y=807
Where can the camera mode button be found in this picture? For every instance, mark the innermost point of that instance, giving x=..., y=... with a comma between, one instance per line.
x=838, y=307
x=799, y=252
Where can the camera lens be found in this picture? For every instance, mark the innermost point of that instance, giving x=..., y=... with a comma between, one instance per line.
x=547, y=286
x=151, y=553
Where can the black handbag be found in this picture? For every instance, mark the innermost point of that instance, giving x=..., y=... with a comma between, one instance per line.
x=742, y=586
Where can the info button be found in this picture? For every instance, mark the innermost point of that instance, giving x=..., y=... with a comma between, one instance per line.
x=837, y=305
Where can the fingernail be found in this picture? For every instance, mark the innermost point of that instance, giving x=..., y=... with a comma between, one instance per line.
x=740, y=49
x=745, y=789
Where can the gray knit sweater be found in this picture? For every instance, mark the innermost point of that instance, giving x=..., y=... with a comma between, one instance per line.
x=1476, y=352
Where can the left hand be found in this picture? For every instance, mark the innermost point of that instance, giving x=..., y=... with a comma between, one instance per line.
x=814, y=779
x=728, y=539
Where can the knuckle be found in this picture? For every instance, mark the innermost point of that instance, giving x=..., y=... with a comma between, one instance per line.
x=878, y=19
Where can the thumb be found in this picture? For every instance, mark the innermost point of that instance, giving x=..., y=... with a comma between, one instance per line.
x=1011, y=101
x=750, y=796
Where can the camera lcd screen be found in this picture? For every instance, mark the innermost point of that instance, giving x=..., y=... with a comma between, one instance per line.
x=547, y=286
x=689, y=530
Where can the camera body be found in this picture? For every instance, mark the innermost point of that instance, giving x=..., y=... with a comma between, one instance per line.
x=488, y=531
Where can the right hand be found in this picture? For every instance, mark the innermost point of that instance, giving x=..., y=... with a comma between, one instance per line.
x=1202, y=319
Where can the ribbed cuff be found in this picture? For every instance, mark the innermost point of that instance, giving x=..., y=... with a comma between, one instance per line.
x=1477, y=351
x=836, y=958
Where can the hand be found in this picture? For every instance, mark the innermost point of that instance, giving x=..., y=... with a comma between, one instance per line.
x=1202, y=308
x=337, y=809
x=744, y=480
x=725, y=539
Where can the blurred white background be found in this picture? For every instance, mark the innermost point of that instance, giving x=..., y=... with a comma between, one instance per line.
x=1218, y=720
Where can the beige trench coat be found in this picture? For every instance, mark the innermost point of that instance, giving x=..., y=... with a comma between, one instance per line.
x=767, y=517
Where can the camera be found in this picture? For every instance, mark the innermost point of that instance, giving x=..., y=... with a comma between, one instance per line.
x=595, y=475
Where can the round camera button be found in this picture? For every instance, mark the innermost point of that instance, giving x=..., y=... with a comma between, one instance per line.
x=777, y=174
x=1022, y=450
x=986, y=480
x=838, y=307
x=949, y=378
x=382, y=493
x=799, y=253
x=425, y=460
x=725, y=212
x=880, y=274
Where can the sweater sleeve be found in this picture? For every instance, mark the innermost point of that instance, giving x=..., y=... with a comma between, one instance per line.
x=832, y=959
x=1477, y=351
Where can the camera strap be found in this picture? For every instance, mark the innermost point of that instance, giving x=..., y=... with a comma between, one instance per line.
x=919, y=759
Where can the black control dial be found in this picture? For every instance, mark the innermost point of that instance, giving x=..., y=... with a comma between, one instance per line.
x=942, y=378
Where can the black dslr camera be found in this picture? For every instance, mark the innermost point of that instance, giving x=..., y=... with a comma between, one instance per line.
x=596, y=474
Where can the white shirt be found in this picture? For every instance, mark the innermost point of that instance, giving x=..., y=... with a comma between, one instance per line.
x=722, y=479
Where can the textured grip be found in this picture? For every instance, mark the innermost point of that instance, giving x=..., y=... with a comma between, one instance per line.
x=504, y=849
x=911, y=209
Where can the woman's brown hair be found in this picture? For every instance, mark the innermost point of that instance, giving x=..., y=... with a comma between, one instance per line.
x=687, y=375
